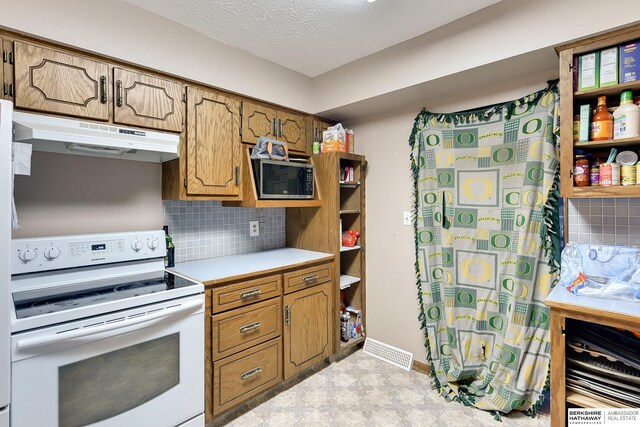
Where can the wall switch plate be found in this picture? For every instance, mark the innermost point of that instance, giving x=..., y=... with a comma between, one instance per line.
x=406, y=218
x=254, y=228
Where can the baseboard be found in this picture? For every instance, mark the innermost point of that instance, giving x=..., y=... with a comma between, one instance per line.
x=423, y=368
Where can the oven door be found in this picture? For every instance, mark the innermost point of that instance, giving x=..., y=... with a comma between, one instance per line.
x=138, y=367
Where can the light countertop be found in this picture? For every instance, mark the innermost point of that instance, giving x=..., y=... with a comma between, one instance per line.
x=234, y=267
x=561, y=298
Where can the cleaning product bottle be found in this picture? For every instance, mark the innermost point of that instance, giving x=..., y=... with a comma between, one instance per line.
x=169, y=259
x=626, y=118
x=601, y=122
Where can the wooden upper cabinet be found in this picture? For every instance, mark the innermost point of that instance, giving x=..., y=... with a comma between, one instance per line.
x=147, y=101
x=293, y=130
x=213, y=143
x=257, y=120
x=318, y=127
x=260, y=120
x=307, y=330
x=60, y=83
x=4, y=88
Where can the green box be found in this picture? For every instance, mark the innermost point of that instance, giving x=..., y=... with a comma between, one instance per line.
x=609, y=66
x=589, y=71
x=585, y=117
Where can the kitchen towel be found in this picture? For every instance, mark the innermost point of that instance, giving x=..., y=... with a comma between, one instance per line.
x=486, y=225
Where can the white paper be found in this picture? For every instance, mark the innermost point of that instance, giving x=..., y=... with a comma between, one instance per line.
x=21, y=158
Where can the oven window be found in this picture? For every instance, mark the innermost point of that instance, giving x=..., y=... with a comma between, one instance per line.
x=104, y=386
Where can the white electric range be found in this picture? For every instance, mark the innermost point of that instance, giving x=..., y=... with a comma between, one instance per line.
x=102, y=335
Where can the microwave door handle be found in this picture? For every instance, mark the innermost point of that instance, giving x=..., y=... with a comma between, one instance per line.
x=86, y=332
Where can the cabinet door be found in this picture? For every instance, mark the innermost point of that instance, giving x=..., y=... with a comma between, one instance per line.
x=293, y=130
x=319, y=126
x=60, y=83
x=213, y=143
x=257, y=120
x=4, y=90
x=307, y=328
x=144, y=100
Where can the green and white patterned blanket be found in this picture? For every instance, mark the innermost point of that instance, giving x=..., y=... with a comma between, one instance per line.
x=487, y=248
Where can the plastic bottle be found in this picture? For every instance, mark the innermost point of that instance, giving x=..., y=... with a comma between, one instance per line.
x=626, y=118
x=169, y=259
x=601, y=122
x=344, y=327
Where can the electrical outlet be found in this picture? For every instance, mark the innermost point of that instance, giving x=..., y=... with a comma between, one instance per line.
x=254, y=228
x=406, y=218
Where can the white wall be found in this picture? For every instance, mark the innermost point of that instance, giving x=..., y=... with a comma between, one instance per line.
x=121, y=30
x=392, y=305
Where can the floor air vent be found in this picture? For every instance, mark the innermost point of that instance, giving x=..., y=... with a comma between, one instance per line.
x=388, y=353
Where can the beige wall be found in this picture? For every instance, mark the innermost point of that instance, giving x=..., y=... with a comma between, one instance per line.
x=68, y=194
x=392, y=308
x=124, y=31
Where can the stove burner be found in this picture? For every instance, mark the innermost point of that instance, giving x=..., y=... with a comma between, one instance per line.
x=130, y=286
x=63, y=300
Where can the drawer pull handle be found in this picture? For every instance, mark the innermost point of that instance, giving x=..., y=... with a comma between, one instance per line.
x=103, y=89
x=249, y=294
x=119, y=93
x=311, y=279
x=250, y=326
x=249, y=374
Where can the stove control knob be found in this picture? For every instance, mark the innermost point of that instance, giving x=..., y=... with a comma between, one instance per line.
x=136, y=245
x=153, y=243
x=27, y=255
x=51, y=253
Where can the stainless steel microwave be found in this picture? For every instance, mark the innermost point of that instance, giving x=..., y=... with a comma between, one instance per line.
x=278, y=179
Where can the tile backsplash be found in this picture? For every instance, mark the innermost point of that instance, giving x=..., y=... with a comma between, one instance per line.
x=604, y=220
x=206, y=229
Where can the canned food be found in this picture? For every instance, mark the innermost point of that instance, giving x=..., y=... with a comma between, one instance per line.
x=628, y=174
x=609, y=174
x=594, y=174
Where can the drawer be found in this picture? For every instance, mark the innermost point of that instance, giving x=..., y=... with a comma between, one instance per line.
x=247, y=292
x=246, y=374
x=303, y=278
x=244, y=327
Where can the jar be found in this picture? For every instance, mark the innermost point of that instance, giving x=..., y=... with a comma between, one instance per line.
x=581, y=171
x=576, y=128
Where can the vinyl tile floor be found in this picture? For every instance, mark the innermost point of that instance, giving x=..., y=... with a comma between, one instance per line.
x=361, y=390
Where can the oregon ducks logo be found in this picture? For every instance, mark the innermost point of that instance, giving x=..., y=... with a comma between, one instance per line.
x=445, y=178
x=447, y=258
x=508, y=357
x=518, y=404
x=533, y=198
x=520, y=220
x=465, y=298
x=523, y=268
x=535, y=174
x=547, y=99
x=500, y=241
x=519, y=289
x=512, y=198
x=432, y=140
x=434, y=313
x=502, y=155
x=466, y=218
x=538, y=318
x=421, y=162
x=466, y=138
x=497, y=323
x=532, y=126
x=429, y=198
x=425, y=236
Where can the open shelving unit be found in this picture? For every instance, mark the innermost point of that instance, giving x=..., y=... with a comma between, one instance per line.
x=570, y=102
x=320, y=230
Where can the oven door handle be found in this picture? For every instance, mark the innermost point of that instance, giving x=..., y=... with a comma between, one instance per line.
x=85, y=332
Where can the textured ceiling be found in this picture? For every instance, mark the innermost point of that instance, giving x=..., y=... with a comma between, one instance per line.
x=312, y=36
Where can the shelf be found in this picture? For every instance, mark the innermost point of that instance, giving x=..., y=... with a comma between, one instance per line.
x=352, y=343
x=607, y=91
x=346, y=281
x=609, y=143
x=613, y=191
x=349, y=211
x=349, y=184
x=349, y=248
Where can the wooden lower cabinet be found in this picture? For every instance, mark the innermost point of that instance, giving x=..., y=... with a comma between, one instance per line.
x=248, y=373
x=248, y=349
x=307, y=334
x=242, y=328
